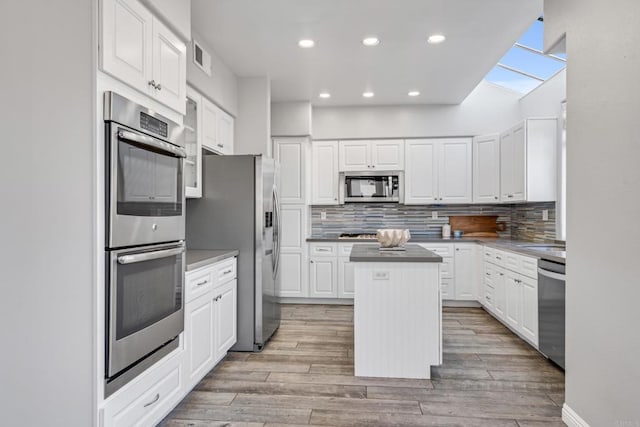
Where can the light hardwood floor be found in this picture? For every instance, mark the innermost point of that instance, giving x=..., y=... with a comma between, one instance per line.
x=304, y=376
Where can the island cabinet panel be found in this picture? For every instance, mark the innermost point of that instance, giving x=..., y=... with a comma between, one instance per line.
x=397, y=319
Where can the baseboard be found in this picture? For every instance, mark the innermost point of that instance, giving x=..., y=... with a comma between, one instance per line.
x=330, y=301
x=455, y=303
x=571, y=418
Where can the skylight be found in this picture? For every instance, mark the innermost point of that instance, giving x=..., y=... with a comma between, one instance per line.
x=524, y=67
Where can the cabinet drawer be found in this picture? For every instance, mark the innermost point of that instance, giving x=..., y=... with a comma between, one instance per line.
x=198, y=282
x=446, y=268
x=446, y=289
x=225, y=271
x=488, y=253
x=529, y=267
x=499, y=257
x=323, y=249
x=344, y=249
x=511, y=261
x=441, y=249
x=148, y=400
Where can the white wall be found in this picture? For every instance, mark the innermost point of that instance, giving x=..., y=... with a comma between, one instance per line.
x=603, y=101
x=291, y=118
x=222, y=86
x=253, y=123
x=175, y=13
x=46, y=220
x=487, y=109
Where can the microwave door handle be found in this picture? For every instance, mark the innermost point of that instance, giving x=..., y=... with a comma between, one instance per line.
x=148, y=256
x=151, y=142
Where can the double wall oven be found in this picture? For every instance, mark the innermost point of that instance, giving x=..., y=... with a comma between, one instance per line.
x=145, y=231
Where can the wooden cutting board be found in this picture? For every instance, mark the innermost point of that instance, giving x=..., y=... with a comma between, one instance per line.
x=477, y=226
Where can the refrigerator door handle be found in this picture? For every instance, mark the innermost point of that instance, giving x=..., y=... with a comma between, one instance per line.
x=277, y=227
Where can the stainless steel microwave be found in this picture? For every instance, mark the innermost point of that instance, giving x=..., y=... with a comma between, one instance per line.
x=376, y=187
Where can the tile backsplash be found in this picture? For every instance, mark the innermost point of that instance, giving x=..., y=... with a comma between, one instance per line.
x=522, y=221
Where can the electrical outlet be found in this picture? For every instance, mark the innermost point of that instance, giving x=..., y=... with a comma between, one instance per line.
x=434, y=215
x=323, y=215
x=545, y=215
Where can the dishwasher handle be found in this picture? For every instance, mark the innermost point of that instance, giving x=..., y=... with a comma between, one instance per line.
x=551, y=274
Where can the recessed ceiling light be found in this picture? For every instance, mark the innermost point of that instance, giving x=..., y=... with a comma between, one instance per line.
x=306, y=43
x=414, y=93
x=371, y=41
x=436, y=38
x=368, y=94
x=325, y=95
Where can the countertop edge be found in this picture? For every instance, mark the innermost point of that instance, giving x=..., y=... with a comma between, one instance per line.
x=368, y=252
x=198, y=258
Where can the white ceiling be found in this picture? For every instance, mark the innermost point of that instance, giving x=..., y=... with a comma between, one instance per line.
x=259, y=38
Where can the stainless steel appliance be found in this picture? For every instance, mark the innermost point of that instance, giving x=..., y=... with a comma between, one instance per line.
x=551, y=310
x=239, y=209
x=386, y=187
x=145, y=183
x=145, y=309
x=144, y=237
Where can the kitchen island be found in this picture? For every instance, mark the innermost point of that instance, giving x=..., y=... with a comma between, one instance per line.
x=397, y=311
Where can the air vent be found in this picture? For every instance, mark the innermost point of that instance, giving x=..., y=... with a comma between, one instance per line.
x=201, y=58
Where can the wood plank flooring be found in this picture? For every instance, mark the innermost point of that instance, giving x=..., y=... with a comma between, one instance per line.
x=304, y=376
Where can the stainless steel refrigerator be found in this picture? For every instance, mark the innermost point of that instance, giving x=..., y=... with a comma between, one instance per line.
x=239, y=209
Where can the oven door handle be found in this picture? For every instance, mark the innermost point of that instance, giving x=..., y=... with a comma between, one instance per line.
x=148, y=256
x=551, y=274
x=152, y=142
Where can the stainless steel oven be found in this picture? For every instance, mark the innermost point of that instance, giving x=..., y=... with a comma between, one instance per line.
x=145, y=307
x=145, y=198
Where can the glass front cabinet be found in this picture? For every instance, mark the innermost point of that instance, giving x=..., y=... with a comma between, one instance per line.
x=193, y=144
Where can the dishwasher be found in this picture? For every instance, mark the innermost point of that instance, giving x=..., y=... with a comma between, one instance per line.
x=551, y=310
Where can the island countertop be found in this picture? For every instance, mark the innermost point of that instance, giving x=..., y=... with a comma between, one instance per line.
x=367, y=252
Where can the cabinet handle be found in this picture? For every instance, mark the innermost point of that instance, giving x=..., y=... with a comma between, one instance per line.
x=510, y=195
x=152, y=83
x=224, y=273
x=159, y=86
x=498, y=258
x=488, y=274
x=204, y=282
x=311, y=261
x=502, y=274
x=221, y=145
x=373, y=166
x=155, y=399
x=495, y=197
x=457, y=249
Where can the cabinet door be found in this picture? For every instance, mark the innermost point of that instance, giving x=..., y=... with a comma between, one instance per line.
x=293, y=277
x=226, y=317
x=506, y=167
x=323, y=277
x=519, y=162
x=530, y=309
x=421, y=172
x=193, y=144
x=127, y=31
x=355, y=156
x=345, y=278
x=225, y=132
x=169, y=67
x=199, y=338
x=499, y=289
x=513, y=313
x=387, y=154
x=465, y=272
x=210, y=125
x=455, y=177
x=291, y=154
x=324, y=173
x=486, y=169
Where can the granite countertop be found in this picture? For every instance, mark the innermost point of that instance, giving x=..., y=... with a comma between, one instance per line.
x=197, y=258
x=511, y=245
x=370, y=252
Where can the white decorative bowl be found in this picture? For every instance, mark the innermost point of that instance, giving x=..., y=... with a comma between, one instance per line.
x=391, y=238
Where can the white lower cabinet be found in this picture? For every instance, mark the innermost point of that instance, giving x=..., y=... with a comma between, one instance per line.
x=199, y=338
x=511, y=291
x=323, y=277
x=465, y=271
x=225, y=316
x=345, y=278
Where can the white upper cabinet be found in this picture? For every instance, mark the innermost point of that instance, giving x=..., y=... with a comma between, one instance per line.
x=142, y=52
x=486, y=169
x=438, y=170
x=454, y=175
x=217, y=129
x=292, y=154
x=362, y=155
x=528, y=154
x=193, y=144
x=324, y=173
x=421, y=172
